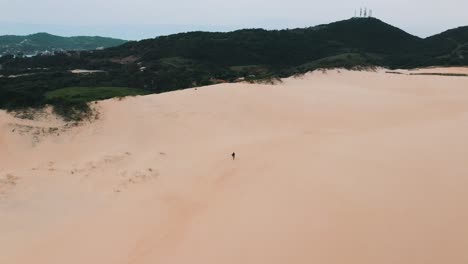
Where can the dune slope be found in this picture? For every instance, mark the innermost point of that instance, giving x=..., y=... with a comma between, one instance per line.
x=335, y=167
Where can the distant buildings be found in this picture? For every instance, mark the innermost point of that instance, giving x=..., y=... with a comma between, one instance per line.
x=18, y=54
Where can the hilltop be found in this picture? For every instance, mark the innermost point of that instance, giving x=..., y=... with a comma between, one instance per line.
x=192, y=59
x=44, y=42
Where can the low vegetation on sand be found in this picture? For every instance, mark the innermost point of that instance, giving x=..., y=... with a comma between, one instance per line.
x=88, y=94
x=72, y=103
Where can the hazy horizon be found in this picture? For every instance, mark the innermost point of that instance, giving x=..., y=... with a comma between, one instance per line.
x=140, y=19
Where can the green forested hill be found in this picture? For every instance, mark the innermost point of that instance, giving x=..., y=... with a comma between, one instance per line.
x=278, y=47
x=42, y=42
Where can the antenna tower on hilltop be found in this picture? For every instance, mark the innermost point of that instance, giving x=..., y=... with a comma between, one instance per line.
x=363, y=12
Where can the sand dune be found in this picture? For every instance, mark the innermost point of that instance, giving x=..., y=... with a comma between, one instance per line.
x=336, y=167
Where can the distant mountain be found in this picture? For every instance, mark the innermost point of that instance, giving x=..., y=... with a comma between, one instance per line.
x=120, y=31
x=43, y=42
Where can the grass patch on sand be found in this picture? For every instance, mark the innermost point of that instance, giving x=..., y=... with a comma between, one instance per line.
x=72, y=103
x=89, y=94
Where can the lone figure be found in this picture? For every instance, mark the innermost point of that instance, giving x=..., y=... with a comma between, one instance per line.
x=233, y=156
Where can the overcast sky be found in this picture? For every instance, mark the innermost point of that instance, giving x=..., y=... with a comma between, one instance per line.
x=135, y=19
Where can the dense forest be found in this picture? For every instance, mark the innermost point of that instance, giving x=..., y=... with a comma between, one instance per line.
x=186, y=60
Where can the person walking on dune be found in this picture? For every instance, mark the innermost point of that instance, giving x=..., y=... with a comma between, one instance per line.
x=233, y=156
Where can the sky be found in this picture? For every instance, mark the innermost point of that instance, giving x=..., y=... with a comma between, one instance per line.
x=138, y=19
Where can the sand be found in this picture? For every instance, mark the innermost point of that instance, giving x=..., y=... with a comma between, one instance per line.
x=332, y=168
x=435, y=70
x=79, y=71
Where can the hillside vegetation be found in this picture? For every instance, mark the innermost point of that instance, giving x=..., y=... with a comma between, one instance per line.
x=41, y=42
x=192, y=59
x=72, y=102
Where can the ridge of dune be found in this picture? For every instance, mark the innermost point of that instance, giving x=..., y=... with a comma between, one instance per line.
x=437, y=70
x=332, y=167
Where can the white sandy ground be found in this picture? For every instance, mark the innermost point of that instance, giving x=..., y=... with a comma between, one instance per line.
x=333, y=168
